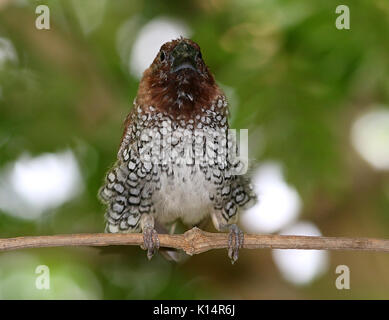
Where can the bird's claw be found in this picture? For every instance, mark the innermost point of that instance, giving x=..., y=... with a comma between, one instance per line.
x=150, y=241
x=235, y=242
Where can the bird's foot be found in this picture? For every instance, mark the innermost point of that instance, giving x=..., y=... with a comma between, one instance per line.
x=235, y=242
x=150, y=241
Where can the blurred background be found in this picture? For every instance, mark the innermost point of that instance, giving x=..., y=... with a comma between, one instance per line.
x=314, y=98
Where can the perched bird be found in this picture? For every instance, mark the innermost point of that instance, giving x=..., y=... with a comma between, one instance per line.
x=177, y=158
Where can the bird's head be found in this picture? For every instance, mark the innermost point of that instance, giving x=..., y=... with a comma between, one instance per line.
x=180, y=60
x=178, y=81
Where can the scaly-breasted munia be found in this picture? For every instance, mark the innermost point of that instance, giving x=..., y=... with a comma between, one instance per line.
x=176, y=158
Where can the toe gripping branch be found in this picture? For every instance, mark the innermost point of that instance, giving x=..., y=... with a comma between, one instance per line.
x=235, y=242
x=150, y=236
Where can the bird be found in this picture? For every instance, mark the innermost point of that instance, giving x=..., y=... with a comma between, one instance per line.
x=177, y=159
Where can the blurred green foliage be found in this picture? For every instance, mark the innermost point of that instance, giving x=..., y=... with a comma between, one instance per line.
x=298, y=84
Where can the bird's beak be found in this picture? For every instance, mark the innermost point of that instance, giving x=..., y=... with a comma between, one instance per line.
x=184, y=57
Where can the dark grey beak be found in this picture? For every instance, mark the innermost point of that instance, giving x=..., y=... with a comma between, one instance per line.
x=184, y=57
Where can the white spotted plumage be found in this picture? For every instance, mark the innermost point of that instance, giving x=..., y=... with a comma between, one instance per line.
x=179, y=187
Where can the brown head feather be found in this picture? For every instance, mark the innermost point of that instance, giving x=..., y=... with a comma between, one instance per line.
x=182, y=92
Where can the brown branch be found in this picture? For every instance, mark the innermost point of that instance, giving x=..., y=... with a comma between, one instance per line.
x=196, y=241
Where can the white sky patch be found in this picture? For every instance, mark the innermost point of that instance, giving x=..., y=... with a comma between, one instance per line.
x=278, y=203
x=301, y=266
x=31, y=186
x=370, y=137
x=150, y=39
x=7, y=52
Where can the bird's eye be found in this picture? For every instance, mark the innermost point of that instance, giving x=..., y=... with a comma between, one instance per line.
x=199, y=56
x=162, y=56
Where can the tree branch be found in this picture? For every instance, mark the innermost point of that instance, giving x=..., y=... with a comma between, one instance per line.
x=196, y=241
